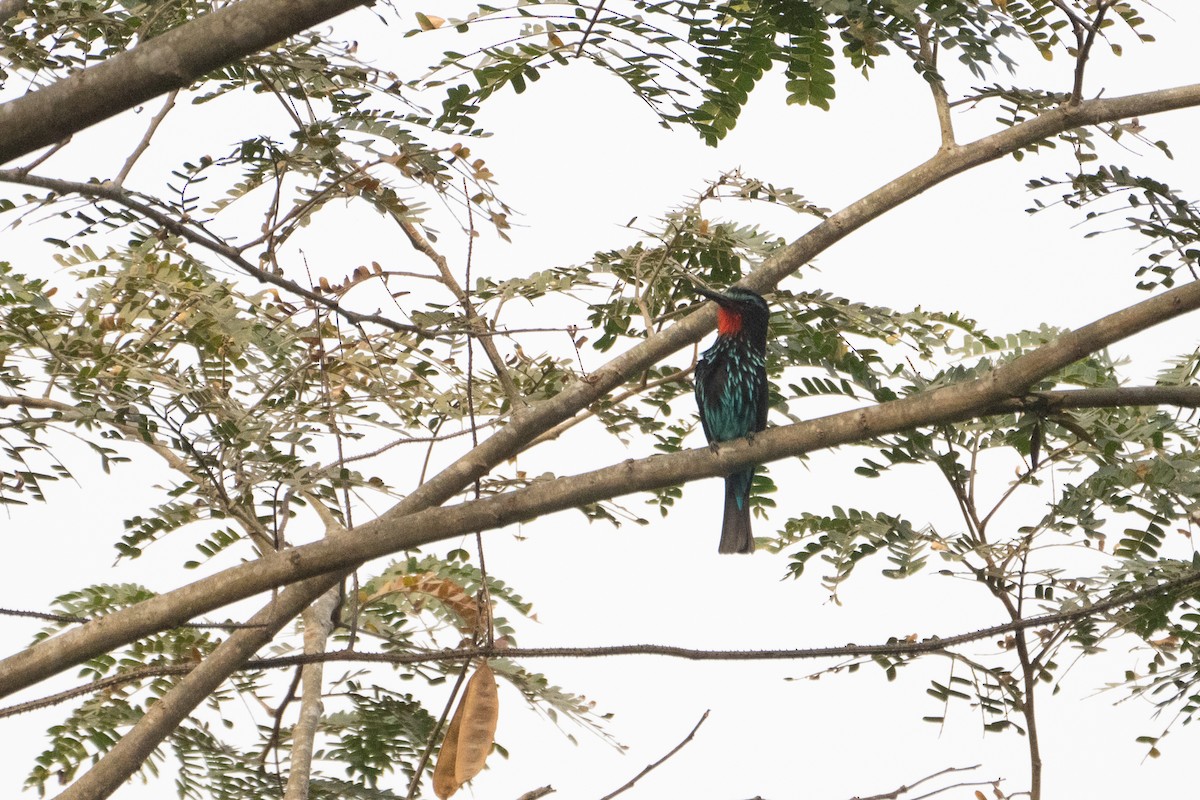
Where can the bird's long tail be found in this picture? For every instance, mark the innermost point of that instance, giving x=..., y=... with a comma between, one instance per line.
x=735, y=529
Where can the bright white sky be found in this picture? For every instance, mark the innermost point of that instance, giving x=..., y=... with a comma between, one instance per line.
x=578, y=156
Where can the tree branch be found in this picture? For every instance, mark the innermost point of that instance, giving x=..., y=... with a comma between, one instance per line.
x=896, y=793
x=119, y=194
x=937, y=86
x=650, y=767
x=412, y=521
x=145, y=142
x=948, y=163
x=1114, y=397
x=893, y=648
x=475, y=322
x=397, y=530
x=318, y=624
x=160, y=719
x=170, y=61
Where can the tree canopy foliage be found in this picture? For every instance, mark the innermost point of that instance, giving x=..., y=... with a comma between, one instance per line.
x=321, y=426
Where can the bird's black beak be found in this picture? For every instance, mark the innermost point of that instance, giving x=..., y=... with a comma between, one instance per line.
x=720, y=298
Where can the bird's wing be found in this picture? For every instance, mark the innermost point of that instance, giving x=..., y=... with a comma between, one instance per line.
x=708, y=388
x=760, y=422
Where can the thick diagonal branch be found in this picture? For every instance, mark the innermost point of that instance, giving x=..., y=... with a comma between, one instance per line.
x=170, y=61
x=395, y=530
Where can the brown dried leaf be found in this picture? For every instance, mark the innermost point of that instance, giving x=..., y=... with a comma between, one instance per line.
x=451, y=594
x=429, y=22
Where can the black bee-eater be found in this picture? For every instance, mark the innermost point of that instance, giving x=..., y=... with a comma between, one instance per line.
x=731, y=391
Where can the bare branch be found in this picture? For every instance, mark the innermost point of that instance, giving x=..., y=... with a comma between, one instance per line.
x=476, y=322
x=277, y=722
x=1081, y=59
x=15, y=612
x=535, y=794
x=161, y=64
x=145, y=142
x=591, y=25
x=937, y=86
x=651, y=767
x=1118, y=396
x=318, y=624
x=1085, y=36
x=896, y=793
x=133, y=676
x=895, y=647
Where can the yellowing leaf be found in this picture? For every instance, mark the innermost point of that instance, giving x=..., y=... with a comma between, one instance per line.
x=429, y=22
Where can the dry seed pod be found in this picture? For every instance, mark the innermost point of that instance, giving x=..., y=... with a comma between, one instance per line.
x=469, y=737
x=481, y=710
x=444, y=782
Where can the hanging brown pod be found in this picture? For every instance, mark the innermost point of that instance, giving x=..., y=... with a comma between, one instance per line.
x=469, y=738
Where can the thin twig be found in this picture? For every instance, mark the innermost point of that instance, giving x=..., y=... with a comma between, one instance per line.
x=1085, y=49
x=1029, y=676
x=965, y=784
x=474, y=321
x=13, y=612
x=591, y=24
x=534, y=794
x=933, y=644
x=277, y=724
x=231, y=254
x=44, y=157
x=658, y=763
x=133, y=676
x=145, y=142
x=895, y=793
x=937, y=85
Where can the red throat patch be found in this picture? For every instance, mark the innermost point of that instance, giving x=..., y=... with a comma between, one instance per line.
x=729, y=322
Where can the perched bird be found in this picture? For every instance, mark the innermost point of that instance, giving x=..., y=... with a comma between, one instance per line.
x=731, y=391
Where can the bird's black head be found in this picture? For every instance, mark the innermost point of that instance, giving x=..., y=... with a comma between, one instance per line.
x=740, y=312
